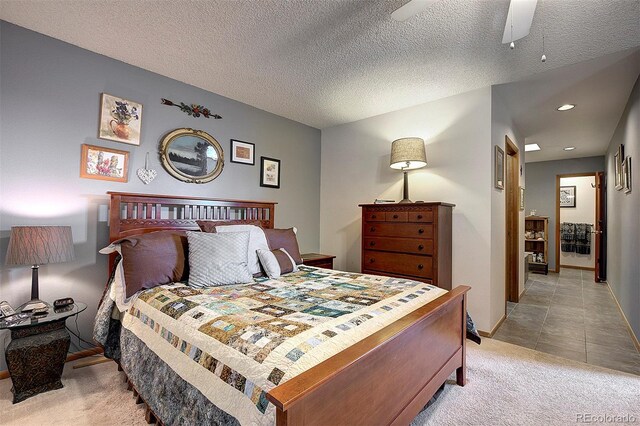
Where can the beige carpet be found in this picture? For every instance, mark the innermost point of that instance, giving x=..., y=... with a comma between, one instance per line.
x=507, y=385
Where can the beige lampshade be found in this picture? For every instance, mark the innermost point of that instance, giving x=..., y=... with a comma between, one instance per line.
x=408, y=154
x=39, y=245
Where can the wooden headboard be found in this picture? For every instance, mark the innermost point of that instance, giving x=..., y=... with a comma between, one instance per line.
x=131, y=214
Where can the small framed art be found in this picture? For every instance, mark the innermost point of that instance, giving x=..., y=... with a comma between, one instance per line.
x=626, y=175
x=120, y=120
x=243, y=152
x=101, y=163
x=499, y=168
x=618, y=158
x=269, y=172
x=567, y=196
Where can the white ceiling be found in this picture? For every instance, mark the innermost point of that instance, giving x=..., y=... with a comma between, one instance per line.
x=328, y=62
x=599, y=88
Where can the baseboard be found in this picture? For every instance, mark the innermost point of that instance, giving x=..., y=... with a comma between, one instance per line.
x=583, y=268
x=494, y=329
x=626, y=321
x=4, y=374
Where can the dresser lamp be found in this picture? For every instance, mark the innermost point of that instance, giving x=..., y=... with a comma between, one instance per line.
x=407, y=154
x=39, y=245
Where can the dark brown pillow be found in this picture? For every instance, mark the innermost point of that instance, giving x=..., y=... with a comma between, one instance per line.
x=286, y=239
x=153, y=259
x=210, y=225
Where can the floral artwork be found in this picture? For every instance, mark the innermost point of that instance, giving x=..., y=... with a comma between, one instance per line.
x=120, y=120
x=269, y=172
x=193, y=110
x=104, y=163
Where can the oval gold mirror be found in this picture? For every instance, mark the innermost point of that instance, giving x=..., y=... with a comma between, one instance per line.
x=191, y=155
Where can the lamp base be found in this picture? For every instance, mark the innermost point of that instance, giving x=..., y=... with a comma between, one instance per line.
x=405, y=201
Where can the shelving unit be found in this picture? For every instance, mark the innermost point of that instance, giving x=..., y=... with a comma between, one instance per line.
x=539, y=245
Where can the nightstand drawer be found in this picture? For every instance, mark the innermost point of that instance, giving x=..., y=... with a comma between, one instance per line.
x=396, y=216
x=410, y=230
x=421, y=216
x=408, y=264
x=400, y=245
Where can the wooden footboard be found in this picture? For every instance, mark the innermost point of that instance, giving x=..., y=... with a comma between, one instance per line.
x=385, y=379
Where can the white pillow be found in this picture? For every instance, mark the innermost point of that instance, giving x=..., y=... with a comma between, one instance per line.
x=277, y=262
x=257, y=241
x=218, y=259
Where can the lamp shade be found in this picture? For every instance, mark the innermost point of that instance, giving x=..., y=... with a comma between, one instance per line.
x=38, y=245
x=408, y=154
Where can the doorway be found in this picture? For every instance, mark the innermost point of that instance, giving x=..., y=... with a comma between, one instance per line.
x=512, y=219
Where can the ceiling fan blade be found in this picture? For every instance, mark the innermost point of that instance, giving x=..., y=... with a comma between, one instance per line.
x=412, y=8
x=522, y=12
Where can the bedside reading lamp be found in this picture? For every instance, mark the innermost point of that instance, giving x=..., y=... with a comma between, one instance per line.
x=39, y=245
x=407, y=154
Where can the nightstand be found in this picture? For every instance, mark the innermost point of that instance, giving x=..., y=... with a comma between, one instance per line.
x=37, y=351
x=318, y=260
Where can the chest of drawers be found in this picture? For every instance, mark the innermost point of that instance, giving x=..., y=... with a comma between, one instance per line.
x=408, y=241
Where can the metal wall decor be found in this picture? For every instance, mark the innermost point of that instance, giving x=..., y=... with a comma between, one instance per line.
x=192, y=109
x=192, y=156
x=146, y=174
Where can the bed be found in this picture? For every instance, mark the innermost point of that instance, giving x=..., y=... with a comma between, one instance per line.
x=374, y=352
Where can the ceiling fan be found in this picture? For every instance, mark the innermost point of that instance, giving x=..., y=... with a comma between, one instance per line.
x=518, y=23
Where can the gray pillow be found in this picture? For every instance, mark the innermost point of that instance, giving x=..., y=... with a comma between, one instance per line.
x=218, y=259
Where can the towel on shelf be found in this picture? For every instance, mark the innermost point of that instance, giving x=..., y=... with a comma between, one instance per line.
x=583, y=238
x=568, y=237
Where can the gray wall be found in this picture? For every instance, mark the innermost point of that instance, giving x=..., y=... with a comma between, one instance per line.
x=540, y=192
x=50, y=95
x=623, y=216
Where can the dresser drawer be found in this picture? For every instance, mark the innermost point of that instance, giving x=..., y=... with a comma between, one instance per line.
x=374, y=216
x=396, y=216
x=421, y=216
x=400, y=245
x=386, y=229
x=405, y=264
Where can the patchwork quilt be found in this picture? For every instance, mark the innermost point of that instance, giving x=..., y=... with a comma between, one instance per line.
x=235, y=343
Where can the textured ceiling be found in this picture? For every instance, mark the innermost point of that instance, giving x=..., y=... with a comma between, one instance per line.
x=329, y=62
x=599, y=88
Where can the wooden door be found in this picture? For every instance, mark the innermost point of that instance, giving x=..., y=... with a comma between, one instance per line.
x=600, y=233
x=512, y=213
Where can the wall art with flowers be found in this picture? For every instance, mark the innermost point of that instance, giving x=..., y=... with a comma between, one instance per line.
x=101, y=163
x=120, y=120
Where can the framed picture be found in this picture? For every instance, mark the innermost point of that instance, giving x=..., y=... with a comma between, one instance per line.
x=120, y=120
x=567, y=196
x=499, y=169
x=269, y=172
x=521, y=198
x=626, y=175
x=101, y=163
x=617, y=159
x=243, y=152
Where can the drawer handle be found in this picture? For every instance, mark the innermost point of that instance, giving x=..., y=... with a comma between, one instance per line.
x=373, y=216
x=372, y=243
x=372, y=260
x=420, y=266
x=395, y=216
x=419, y=216
x=420, y=231
x=372, y=229
x=420, y=247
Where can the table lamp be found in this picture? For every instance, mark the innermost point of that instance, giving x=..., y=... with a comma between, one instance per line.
x=39, y=245
x=407, y=154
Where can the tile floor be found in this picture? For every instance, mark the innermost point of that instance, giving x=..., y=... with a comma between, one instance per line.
x=571, y=316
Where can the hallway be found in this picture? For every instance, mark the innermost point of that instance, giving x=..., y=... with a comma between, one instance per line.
x=571, y=316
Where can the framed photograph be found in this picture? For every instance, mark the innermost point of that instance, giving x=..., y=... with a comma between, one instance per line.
x=120, y=120
x=567, y=196
x=499, y=169
x=626, y=175
x=269, y=172
x=243, y=152
x=101, y=163
x=521, y=198
x=617, y=159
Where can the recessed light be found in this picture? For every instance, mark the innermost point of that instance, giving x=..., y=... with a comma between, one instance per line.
x=569, y=148
x=566, y=107
x=531, y=147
